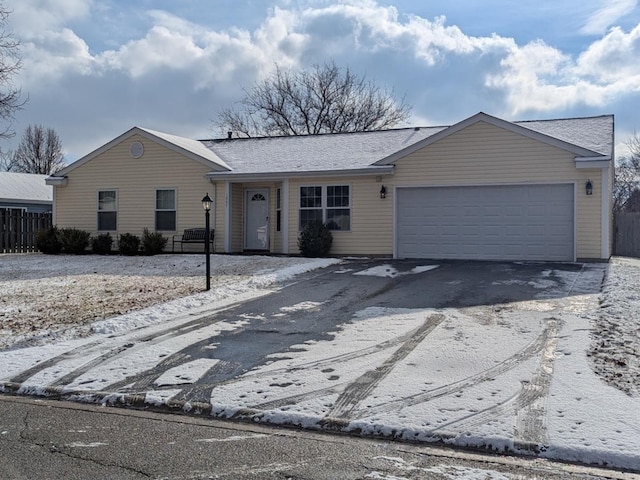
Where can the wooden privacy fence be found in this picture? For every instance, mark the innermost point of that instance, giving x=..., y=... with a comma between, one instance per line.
x=18, y=229
x=627, y=230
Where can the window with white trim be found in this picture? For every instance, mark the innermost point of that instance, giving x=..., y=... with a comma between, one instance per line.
x=330, y=204
x=165, y=210
x=107, y=210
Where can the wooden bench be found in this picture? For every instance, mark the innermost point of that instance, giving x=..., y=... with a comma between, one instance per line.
x=192, y=235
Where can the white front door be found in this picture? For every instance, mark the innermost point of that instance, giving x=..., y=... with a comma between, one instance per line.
x=256, y=235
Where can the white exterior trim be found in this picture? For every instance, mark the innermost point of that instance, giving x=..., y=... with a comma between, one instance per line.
x=284, y=212
x=605, y=242
x=61, y=181
x=227, y=217
x=261, y=177
x=593, y=164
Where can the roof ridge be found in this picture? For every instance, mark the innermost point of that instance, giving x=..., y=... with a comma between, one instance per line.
x=361, y=132
x=565, y=118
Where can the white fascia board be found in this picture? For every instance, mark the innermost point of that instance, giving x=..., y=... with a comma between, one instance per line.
x=254, y=177
x=593, y=162
x=59, y=181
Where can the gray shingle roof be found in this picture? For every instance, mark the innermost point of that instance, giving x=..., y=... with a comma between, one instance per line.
x=315, y=153
x=352, y=151
x=592, y=133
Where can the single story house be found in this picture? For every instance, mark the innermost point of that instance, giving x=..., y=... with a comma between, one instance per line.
x=25, y=191
x=483, y=189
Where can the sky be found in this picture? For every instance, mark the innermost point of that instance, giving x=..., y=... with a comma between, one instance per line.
x=92, y=69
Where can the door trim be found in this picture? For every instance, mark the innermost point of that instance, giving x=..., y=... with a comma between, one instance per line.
x=248, y=193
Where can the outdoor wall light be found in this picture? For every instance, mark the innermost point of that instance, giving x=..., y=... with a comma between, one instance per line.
x=589, y=187
x=206, y=204
x=383, y=192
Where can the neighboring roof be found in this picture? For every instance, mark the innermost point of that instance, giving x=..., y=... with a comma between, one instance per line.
x=24, y=187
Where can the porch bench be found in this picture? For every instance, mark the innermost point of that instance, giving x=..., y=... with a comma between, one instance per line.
x=192, y=235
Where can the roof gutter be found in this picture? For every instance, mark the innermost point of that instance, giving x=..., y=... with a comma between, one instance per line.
x=593, y=162
x=260, y=176
x=56, y=181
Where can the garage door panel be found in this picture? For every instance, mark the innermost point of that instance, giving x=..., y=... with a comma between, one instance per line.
x=514, y=222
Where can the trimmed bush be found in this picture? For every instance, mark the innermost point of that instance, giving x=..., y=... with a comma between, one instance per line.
x=153, y=242
x=315, y=240
x=101, y=245
x=74, y=241
x=48, y=241
x=129, y=244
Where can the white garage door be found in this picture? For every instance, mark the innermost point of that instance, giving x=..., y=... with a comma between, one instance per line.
x=512, y=222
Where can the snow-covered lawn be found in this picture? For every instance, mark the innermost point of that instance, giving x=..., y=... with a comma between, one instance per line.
x=557, y=374
x=47, y=297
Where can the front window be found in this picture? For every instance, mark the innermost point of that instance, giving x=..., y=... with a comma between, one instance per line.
x=107, y=210
x=329, y=204
x=166, y=210
x=338, y=211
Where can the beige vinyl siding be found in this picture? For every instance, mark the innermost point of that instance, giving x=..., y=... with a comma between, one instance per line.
x=371, y=217
x=483, y=154
x=136, y=181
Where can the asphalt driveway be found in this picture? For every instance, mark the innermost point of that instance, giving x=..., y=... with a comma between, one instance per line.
x=414, y=350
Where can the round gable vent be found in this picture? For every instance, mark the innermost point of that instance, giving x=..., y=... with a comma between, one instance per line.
x=136, y=149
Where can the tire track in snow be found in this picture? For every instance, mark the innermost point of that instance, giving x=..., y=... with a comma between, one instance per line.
x=358, y=390
x=534, y=348
x=93, y=348
x=528, y=405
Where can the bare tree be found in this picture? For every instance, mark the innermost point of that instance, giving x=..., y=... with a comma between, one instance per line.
x=626, y=189
x=325, y=99
x=10, y=64
x=39, y=151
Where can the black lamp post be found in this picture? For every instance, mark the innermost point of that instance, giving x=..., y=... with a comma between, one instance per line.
x=206, y=204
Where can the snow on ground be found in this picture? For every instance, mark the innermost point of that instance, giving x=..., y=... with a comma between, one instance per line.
x=45, y=297
x=557, y=374
x=615, y=346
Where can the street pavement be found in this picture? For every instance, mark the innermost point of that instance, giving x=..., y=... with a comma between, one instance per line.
x=44, y=439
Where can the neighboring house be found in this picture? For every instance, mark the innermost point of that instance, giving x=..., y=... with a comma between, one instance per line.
x=484, y=188
x=25, y=191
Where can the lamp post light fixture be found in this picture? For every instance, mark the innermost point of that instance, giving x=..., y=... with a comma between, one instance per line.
x=206, y=204
x=383, y=192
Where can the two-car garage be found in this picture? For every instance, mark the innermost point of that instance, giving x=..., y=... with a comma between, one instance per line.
x=503, y=222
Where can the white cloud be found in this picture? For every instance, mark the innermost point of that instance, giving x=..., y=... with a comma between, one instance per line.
x=32, y=17
x=538, y=77
x=173, y=74
x=607, y=15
